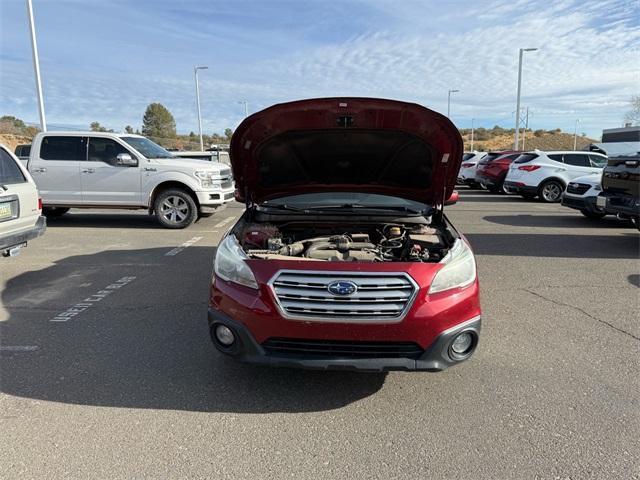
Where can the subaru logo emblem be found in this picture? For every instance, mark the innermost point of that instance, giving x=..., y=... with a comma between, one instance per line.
x=342, y=287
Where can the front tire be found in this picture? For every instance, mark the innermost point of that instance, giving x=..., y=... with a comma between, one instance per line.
x=54, y=212
x=551, y=191
x=175, y=209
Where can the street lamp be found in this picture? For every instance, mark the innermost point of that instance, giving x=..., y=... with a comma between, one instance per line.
x=36, y=66
x=195, y=72
x=246, y=107
x=575, y=134
x=449, y=101
x=472, y=131
x=522, y=50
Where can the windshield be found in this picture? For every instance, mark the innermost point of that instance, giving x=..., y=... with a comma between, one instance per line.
x=147, y=148
x=337, y=199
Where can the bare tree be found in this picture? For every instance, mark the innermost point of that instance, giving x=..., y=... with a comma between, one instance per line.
x=633, y=115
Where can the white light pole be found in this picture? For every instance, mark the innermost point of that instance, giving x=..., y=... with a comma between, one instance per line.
x=195, y=72
x=472, y=131
x=449, y=101
x=522, y=50
x=575, y=134
x=246, y=107
x=36, y=67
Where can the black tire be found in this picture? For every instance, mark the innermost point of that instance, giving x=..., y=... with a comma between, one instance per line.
x=54, y=212
x=175, y=208
x=592, y=215
x=551, y=191
x=528, y=196
x=495, y=188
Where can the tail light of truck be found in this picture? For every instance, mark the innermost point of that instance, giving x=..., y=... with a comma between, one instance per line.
x=529, y=168
x=39, y=204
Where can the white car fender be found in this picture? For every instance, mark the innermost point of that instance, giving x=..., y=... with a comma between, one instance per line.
x=153, y=180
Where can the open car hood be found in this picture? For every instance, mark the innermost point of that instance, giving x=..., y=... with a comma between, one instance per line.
x=346, y=144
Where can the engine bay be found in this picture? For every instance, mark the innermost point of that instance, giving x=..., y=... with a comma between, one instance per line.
x=386, y=242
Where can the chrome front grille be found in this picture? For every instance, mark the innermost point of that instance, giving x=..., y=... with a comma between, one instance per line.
x=379, y=298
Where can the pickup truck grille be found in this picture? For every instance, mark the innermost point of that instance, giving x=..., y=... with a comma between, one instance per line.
x=341, y=348
x=379, y=298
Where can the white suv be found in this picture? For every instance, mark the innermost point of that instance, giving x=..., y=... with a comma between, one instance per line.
x=582, y=193
x=109, y=170
x=20, y=207
x=546, y=174
x=467, y=173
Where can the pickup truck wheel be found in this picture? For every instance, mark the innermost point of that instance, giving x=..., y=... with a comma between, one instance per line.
x=54, y=212
x=551, y=191
x=175, y=209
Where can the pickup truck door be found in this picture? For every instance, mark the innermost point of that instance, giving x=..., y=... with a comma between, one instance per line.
x=104, y=181
x=55, y=167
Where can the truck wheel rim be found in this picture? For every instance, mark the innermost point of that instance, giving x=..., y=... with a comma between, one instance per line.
x=551, y=192
x=174, y=209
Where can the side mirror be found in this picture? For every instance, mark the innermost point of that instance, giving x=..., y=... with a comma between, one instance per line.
x=126, y=160
x=453, y=199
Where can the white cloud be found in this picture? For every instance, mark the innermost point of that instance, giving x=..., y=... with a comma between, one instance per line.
x=587, y=66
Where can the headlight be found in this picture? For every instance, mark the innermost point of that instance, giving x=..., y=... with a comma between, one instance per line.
x=459, y=270
x=229, y=263
x=206, y=178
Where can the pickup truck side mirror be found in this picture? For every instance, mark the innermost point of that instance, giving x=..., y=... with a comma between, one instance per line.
x=126, y=160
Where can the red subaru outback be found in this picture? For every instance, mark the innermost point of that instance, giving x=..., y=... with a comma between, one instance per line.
x=344, y=258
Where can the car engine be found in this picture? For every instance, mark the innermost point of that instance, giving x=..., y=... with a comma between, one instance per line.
x=389, y=242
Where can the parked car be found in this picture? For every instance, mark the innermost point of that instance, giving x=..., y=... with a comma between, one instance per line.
x=22, y=152
x=208, y=155
x=21, y=217
x=492, y=170
x=621, y=188
x=581, y=194
x=110, y=170
x=344, y=258
x=467, y=173
x=547, y=174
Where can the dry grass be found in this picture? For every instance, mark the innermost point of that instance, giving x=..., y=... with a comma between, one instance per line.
x=11, y=141
x=547, y=141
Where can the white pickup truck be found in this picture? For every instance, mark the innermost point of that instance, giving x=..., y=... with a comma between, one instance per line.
x=110, y=170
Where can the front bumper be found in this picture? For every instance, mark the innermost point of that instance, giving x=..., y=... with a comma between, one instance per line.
x=434, y=358
x=21, y=238
x=214, y=198
x=581, y=203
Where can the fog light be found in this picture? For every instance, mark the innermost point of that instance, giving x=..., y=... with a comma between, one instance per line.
x=462, y=343
x=224, y=335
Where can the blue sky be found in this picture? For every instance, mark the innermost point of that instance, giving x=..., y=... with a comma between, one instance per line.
x=105, y=60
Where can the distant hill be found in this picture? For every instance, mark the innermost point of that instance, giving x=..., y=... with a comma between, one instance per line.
x=498, y=138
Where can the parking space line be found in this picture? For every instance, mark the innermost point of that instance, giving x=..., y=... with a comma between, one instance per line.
x=92, y=300
x=224, y=222
x=18, y=348
x=177, y=250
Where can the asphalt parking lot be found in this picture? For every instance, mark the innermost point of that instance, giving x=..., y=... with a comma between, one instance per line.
x=127, y=384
